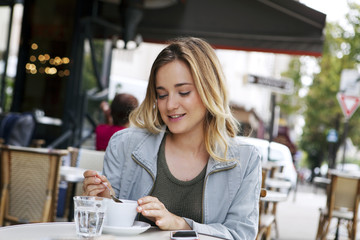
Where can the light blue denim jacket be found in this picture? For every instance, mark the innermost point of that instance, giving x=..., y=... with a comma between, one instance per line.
x=231, y=189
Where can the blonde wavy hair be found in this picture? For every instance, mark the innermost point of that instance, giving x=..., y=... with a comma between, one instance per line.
x=209, y=80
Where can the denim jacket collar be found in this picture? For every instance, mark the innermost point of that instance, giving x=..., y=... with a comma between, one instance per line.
x=150, y=161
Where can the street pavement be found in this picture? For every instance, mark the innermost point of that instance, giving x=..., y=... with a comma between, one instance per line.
x=298, y=217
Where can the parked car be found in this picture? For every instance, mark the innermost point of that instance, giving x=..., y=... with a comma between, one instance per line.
x=278, y=153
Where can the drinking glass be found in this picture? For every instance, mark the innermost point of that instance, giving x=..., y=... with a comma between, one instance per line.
x=89, y=215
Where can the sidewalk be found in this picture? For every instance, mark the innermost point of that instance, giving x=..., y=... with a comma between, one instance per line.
x=298, y=217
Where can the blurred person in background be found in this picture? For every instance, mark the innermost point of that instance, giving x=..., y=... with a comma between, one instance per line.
x=116, y=117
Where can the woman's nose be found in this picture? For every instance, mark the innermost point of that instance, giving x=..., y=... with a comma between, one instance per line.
x=172, y=103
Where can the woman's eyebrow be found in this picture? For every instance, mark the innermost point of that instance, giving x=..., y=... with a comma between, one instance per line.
x=176, y=85
x=182, y=84
x=160, y=88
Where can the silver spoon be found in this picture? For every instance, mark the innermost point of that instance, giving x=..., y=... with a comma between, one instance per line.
x=111, y=195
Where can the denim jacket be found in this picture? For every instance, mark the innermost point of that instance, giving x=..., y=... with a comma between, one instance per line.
x=231, y=189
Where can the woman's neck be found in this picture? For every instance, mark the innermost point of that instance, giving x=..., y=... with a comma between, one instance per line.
x=186, y=156
x=192, y=145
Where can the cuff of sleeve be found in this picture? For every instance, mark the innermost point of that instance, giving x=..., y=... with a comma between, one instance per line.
x=190, y=222
x=206, y=229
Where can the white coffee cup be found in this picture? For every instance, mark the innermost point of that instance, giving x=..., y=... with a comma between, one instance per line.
x=121, y=214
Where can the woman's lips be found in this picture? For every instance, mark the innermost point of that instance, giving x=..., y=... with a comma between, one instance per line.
x=176, y=117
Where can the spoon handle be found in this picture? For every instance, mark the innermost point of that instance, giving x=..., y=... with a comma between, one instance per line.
x=106, y=187
x=112, y=196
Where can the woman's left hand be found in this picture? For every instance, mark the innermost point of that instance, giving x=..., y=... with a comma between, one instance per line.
x=154, y=210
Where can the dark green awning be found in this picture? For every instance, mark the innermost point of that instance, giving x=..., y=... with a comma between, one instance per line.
x=280, y=26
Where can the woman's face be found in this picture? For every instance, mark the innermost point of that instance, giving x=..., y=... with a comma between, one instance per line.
x=178, y=101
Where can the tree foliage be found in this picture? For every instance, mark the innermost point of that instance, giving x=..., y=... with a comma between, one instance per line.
x=291, y=104
x=341, y=51
x=89, y=77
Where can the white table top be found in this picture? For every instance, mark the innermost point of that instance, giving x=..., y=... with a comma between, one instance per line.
x=274, y=196
x=322, y=180
x=72, y=174
x=66, y=231
x=272, y=164
x=348, y=174
x=277, y=183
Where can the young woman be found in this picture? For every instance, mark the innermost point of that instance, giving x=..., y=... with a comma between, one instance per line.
x=181, y=160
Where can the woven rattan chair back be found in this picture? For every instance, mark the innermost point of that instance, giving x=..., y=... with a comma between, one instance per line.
x=345, y=192
x=74, y=154
x=343, y=197
x=87, y=159
x=30, y=178
x=91, y=159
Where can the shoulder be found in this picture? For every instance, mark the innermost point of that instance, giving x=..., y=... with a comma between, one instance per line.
x=134, y=136
x=239, y=147
x=126, y=141
x=131, y=134
x=246, y=155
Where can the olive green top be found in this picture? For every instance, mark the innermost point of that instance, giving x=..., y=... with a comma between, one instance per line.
x=182, y=198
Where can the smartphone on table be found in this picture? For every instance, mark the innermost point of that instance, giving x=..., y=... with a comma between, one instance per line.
x=184, y=235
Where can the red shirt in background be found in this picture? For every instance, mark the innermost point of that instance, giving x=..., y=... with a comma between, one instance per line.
x=103, y=135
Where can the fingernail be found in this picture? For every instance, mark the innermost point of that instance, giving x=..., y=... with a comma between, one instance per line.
x=140, y=201
x=97, y=180
x=139, y=209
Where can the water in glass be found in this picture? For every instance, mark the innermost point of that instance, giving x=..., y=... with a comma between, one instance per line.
x=89, y=215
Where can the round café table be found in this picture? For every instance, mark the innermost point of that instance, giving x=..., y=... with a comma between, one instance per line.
x=66, y=231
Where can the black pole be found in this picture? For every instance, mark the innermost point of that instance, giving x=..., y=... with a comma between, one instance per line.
x=345, y=136
x=331, y=155
x=56, y=143
x=335, y=145
x=6, y=56
x=271, y=127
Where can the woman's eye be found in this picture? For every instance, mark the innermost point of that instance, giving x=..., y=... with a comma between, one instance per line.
x=184, y=93
x=161, y=96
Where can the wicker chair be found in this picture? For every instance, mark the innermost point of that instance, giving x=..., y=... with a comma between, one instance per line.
x=266, y=219
x=87, y=159
x=91, y=159
x=343, y=198
x=30, y=178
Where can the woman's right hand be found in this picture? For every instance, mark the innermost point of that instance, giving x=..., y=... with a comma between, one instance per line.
x=92, y=184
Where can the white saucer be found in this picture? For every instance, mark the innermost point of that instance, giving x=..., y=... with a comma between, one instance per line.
x=135, y=229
